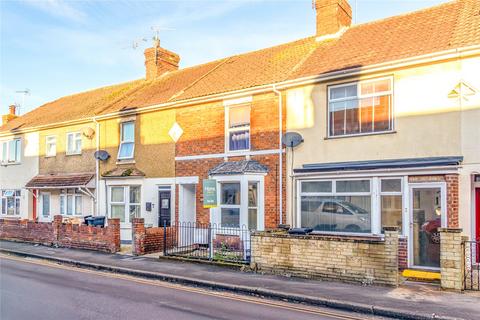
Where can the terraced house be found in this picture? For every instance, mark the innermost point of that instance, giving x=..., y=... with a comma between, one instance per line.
x=388, y=112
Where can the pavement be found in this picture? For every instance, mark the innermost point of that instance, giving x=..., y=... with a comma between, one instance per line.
x=58, y=292
x=409, y=301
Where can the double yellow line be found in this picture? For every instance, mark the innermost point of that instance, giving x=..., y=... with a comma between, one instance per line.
x=158, y=283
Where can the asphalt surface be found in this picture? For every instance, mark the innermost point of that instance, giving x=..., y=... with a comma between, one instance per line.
x=33, y=289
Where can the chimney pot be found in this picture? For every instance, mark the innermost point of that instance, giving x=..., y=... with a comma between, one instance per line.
x=12, y=109
x=10, y=115
x=332, y=16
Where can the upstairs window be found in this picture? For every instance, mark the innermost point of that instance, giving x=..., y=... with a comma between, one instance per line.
x=50, y=146
x=238, y=128
x=127, y=140
x=360, y=107
x=74, y=143
x=11, y=151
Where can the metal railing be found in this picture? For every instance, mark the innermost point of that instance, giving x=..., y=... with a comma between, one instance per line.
x=472, y=265
x=208, y=241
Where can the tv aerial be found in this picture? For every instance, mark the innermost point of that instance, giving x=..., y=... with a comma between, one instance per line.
x=134, y=44
x=24, y=93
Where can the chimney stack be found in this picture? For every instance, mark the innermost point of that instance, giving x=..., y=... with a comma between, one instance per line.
x=11, y=114
x=158, y=61
x=332, y=16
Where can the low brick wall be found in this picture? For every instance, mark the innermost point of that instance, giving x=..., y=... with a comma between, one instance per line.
x=371, y=260
x=150, y=240
x=61, y=234
x=452, y=259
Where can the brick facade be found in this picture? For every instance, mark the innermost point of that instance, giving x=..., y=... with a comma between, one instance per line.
x=204, y=134
x=60, y=234
x=352, y=259
x=402, y=253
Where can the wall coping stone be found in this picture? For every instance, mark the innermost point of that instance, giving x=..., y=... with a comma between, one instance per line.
x=450, y=230
x=321, y=236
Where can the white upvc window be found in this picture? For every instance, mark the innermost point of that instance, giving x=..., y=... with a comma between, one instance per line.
x=391, y=202
x=74, y=143
x=127, y=140
x=125, y=202
x=50, y=146
x=237, y=127
x=361, y=107
x=241, y=203
x=11, y=151
x=10, y=202
x=71, y=202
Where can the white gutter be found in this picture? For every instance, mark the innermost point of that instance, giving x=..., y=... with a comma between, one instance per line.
x=280, y=153
x=385, y=66
x=97, y=167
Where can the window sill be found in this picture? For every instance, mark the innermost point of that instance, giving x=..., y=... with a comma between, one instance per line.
x=52, y=156
x=73, y=154
x=6, y=164
x=360, y=135
x=125, y=161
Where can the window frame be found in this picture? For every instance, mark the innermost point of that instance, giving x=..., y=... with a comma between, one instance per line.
x=358, y=97
x=374, y=214
x=400, y=193
x=228, y=130
x=17, y=199
x=47, y=142
x=126, y=141
x=5, y=147
x=64, y=195
x=126, y=201
x=73, y=134
x=231, y=206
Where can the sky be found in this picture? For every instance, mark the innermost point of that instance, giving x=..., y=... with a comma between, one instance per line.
x=55, y=48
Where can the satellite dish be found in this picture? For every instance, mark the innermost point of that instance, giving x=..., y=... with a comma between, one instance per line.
x=88, y=132
x=292, y=139
x=101, y=155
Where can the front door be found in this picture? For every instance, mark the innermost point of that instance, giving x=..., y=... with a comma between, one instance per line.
x=164, y=209
x=427, y=205
x=45, y=215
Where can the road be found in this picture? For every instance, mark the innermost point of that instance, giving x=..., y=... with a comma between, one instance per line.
x=34, y=289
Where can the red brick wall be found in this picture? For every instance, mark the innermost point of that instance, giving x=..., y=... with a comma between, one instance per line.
x=402, y=253
x=150, y=240
x=204, y=133
x=64, y=235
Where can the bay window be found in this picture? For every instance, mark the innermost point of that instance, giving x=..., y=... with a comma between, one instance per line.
x=127, y=140
x=125, y=202
x=71, y=202
x=10, y=202
x=238, y=127
x=230, y=204
x=74, y=143
x=360, y=107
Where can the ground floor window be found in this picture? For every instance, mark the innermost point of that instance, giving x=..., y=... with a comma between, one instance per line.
x=71, y=202
x=124, y=202
x=240, y=202
x=10, y=202
x=391, y=201
x=337, y=205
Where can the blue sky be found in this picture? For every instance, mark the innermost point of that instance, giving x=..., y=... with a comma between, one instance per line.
x=56, y=48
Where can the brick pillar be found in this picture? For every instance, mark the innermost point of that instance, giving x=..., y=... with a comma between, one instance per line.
x=451, y=259
x=57, y=224
x=391, y=250
x=114, y=230
x=138, y=238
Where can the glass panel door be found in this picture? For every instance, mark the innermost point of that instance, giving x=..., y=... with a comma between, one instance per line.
x=426, y=203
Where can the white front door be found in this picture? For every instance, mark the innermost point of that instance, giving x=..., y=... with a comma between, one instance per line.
x=45, y=208
x=427, y=215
